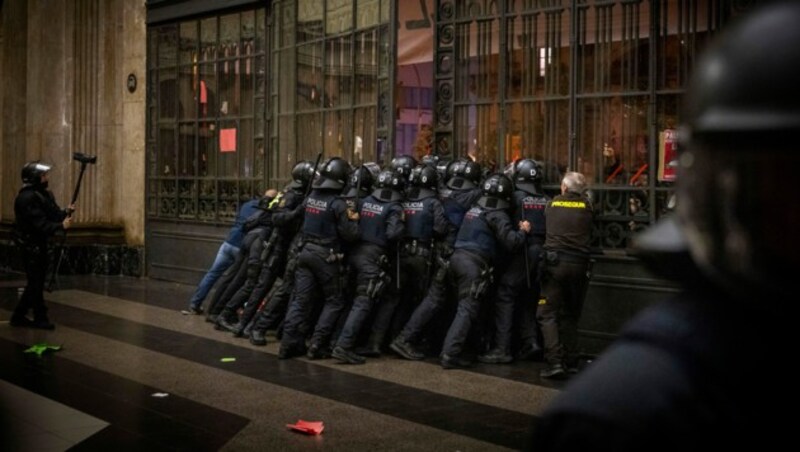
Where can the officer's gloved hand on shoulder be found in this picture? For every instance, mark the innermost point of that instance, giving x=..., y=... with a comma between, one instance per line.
x=447, y=250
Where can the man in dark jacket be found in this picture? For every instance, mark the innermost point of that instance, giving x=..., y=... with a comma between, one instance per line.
x=226, y=256
x=565, y=278
x=38, y=218
x=704, y=371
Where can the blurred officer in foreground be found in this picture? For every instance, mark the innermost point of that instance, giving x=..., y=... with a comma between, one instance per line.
x=38, y=218
x=704, y=371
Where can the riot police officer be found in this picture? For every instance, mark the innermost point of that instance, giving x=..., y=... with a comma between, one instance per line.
x=38, y=218
x=402, y=166
x=486, y=227
x=326, y=224
x=704, y=370
x=518, y=285
x=425, y=224
x=460, y=191
x=285, y=215
x=381, y=225
x=566, y=274
x=288, y=221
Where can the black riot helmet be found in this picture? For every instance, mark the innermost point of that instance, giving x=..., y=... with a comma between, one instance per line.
x=333, y=174
x=367, y=174
x=441, y=169
x=389, y=186
x=423, y=176
x=32, y=172
x=431, y=160
x=423, y=181
x=302, y=175
x=402, y=165
x=736, y=160
x=528, y=176
x=497, y=190
x=464, y=174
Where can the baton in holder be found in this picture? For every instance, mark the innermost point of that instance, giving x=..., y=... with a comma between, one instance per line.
x=84, y=161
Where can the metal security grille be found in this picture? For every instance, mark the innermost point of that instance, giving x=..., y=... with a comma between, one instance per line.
x=333, y=72
x=206, y=147
x=581, y=85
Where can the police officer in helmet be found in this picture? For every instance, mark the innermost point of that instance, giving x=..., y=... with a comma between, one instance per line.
x=458, y=194
x=327, y=223
x=518, y=285
x=425, y=223
x=286, y=215
x=402, y=166
x=706, y=369
x=381, y=224
x=486, y=228
x=38, y=218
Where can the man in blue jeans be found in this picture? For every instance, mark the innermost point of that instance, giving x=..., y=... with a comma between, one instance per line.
x=225, y=257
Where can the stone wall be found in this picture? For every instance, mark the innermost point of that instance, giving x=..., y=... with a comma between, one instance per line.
x=65, y=66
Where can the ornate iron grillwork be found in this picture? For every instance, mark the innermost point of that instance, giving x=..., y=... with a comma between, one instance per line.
x=582, y=85
x=206, y=115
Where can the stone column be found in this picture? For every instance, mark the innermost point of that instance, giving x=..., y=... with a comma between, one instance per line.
x=14, y=104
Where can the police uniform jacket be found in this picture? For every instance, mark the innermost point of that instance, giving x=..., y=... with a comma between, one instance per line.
x=37, y=215
x=484, y=229
x=425, y=218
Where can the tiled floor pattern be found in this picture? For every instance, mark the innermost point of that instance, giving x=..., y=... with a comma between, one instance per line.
x=124, y=341
x=36, y=423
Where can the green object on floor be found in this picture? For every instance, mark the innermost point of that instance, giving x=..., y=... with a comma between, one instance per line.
x=41, y=348
x=228, y=360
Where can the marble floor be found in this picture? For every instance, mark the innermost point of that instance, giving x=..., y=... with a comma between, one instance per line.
x=141, y=376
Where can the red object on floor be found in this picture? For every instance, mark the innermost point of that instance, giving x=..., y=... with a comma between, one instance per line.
x=309, y=428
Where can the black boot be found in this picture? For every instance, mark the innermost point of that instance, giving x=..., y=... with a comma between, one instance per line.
x=406, y=350
x=496, y=356
x=554, y=372
x=226, y=321
x=20, y=321
x=238, y=330
x=454, y=362
x=373, y=347
x=257, y=338
x=347, y=356
x=316, y=351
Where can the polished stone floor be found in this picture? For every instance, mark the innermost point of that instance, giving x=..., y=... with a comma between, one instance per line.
x=153, y=379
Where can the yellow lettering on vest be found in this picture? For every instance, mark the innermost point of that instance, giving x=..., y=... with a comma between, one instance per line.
x=570, y=204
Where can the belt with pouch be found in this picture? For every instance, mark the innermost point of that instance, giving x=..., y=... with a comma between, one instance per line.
x=416, y=248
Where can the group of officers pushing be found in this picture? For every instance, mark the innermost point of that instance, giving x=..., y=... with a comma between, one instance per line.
x=385, y=249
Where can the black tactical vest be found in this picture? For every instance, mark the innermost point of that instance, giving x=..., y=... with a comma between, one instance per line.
x=320, y=219
x=528, y=207
x=475, y=234
x=419, y=219
x=372, y=222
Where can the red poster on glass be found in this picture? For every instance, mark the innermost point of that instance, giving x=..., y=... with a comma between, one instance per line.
x=227, y=140
x=667, y=155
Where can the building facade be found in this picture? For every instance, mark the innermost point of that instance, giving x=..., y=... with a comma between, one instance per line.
x=193, y=106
